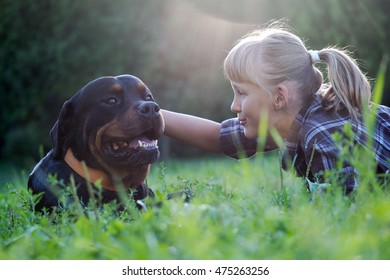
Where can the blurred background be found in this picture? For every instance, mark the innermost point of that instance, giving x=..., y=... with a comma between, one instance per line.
x=49, y=49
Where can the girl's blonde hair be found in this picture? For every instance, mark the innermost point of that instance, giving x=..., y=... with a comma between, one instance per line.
x=272, y=55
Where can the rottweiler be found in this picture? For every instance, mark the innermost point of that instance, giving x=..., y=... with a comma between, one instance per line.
x=106, y=135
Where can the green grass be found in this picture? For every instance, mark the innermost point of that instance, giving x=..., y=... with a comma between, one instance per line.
x=239, y=210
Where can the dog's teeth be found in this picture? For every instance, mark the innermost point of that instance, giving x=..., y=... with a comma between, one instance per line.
x=142, y=144
x=149, y=144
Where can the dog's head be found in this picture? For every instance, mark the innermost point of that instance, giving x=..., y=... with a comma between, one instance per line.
x=112, y=123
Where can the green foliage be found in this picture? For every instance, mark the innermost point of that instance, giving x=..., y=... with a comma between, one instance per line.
x=248, y=209
x=50, y=49
x=238, y=210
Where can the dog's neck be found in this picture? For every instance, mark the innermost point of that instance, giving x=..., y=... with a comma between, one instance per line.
x=88, y=173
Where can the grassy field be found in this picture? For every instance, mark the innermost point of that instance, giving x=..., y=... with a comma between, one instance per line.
x=245, y=209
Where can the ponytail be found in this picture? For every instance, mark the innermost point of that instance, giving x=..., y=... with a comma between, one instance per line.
x=349, y=87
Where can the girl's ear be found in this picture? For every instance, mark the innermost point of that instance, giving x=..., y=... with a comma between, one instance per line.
x=280, y=98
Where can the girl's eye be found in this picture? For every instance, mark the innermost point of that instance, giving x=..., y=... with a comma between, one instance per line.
x=111, y=101
x=240, y=93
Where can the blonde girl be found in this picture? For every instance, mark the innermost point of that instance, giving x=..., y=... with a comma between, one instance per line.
x=273, y=76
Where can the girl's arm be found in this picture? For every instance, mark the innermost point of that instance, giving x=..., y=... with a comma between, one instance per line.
x=195, y=131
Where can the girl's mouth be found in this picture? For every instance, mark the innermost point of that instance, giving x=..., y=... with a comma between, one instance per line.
x=242, y=122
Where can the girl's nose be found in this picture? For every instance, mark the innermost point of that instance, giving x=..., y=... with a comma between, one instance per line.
x=236, y=105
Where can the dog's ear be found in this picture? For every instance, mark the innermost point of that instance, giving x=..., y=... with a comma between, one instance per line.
x=61, y=132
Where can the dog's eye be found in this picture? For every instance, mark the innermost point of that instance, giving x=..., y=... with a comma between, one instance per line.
x=149, y=98
x=111, y=101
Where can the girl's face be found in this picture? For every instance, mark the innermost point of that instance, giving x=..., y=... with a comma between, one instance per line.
x=250, y=103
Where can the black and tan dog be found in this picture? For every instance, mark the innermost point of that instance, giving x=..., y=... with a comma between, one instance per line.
x=108, y=133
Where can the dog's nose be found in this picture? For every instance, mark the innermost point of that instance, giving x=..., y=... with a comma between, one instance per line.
x=149, y=109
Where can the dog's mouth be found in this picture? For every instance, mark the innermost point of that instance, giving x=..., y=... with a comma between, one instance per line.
x=136, y=151
x=124, y=146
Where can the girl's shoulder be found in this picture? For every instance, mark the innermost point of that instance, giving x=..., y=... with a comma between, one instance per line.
x=383, y=122
x=383, y=112
x=318, y=123
x=315, y=113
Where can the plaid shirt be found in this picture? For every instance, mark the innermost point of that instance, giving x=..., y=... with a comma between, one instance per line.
x=310, y=146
